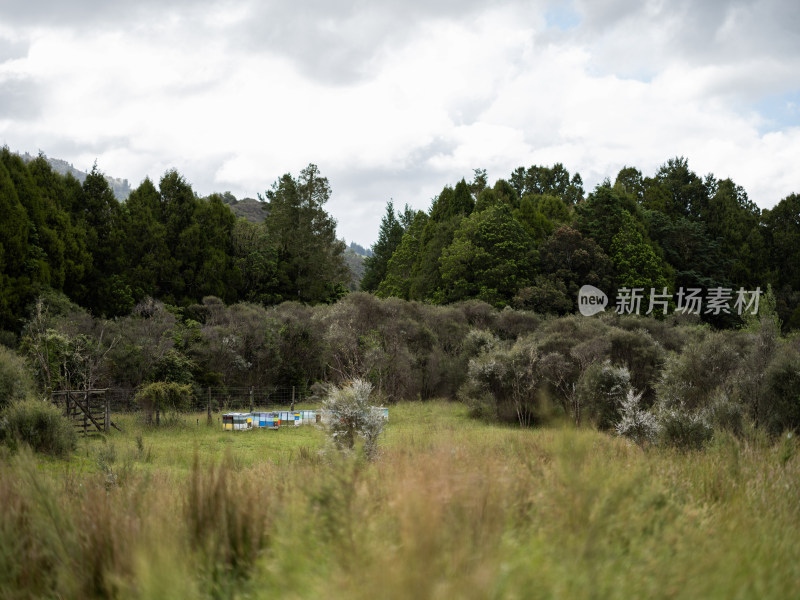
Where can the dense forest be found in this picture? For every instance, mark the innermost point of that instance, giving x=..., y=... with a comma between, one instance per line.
x=474, y=299
x=164, y=242
x=533, y=240
x=529, y=241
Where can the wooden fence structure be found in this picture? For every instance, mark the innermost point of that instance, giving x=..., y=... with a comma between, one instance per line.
x=88, y=410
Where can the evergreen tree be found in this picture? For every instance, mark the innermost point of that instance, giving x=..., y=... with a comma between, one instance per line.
x=401, y=267
x=178, y=206
x=311, y=266
x=147, y=251
x=570, y=261
x=15, y=283
x=603, y=214
x=732, y=219
x=257, y=262
x=688, y=193
x=490, y=258
x=782, y=227
x=216, y=273
x=636, y=262
x=106, y=292
x=389, y=238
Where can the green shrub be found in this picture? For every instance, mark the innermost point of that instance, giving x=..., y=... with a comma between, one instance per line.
x=506, y=382
x=683, y=429
x=164, y=396
x=600, y=392
x=16, y=382
x=692, y=378
x=643, y=356
x=40, y=425
x=780, y=402
x=726, y=414
x=511, y=324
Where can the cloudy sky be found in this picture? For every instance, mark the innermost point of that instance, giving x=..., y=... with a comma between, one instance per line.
x=393, y=100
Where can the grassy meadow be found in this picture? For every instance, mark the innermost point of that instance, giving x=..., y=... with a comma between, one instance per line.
x=452, y=508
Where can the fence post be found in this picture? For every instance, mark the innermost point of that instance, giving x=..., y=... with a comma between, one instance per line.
x=292, y=398
x=251, y=398
x=208, y=422
x=108, y=413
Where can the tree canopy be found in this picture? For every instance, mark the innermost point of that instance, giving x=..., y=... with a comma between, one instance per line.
x=530, y=240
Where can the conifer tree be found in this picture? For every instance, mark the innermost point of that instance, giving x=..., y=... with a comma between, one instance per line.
x=389, y=238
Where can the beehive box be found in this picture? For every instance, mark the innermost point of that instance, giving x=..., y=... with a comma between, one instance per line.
x=265, y=420
x=237, y=421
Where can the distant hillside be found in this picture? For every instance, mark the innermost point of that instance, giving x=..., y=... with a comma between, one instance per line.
x=359, y=249
x=249, y=209
x=120, y=187
x=355, y=262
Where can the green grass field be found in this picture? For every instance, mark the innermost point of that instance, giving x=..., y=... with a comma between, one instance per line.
x=453, y=508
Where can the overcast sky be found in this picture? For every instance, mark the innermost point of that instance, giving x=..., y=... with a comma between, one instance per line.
x=393, y=100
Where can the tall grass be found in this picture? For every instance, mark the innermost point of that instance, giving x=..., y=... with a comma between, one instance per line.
x=452, y=509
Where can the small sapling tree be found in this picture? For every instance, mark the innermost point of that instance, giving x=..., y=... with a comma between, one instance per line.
x=163, y=396
x=349, y=416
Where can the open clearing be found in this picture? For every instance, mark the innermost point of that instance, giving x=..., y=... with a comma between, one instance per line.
x=453, y=508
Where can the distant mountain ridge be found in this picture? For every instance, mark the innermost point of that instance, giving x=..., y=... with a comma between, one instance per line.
x=120, y=187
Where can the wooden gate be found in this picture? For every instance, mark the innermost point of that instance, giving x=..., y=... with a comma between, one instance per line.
x=88, y=410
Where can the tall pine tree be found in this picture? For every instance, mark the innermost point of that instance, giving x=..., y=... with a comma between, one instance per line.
x=389, y=238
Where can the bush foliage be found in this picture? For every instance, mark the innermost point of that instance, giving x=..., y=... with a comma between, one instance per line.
x=40, y=425
x=16, y=382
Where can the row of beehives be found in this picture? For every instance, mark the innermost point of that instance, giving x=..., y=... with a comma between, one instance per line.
x=275, y=419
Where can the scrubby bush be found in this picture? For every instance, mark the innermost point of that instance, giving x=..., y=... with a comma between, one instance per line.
x=691, y=378
x=375, y=340
x=641, y=354
x=39, y=424
x=349, y=415
x=144, y=337
x=726, y=414
x=478, y=341
x=163, y=396
x=671, y=333
x=601, y=391
x=635, y=423
x=478, y=313
x=506, y=382
x=510, y=323
x=683, y=429
x=16, y=382
x=780, y=401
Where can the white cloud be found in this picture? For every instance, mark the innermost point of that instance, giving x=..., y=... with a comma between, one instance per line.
x=398, y=100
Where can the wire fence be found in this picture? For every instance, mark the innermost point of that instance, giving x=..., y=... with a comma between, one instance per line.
x=215, y=399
